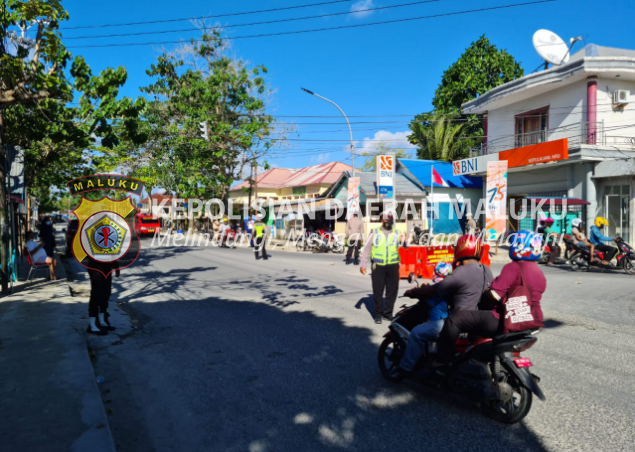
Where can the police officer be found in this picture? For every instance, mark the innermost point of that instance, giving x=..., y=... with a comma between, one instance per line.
x=260, y=237
x=383, y=247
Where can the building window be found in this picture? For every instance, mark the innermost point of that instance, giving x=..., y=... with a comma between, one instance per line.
x=531, y=127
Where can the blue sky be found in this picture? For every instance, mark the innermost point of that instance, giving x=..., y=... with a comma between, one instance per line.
x=389, y=71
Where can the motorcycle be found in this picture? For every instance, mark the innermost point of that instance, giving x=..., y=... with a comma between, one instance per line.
x=625, y=256
x=420, y=235
x=489, y=371
x=228, y=236
x=579, y=259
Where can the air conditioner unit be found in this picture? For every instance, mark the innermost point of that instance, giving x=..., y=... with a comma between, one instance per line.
x=621, y=96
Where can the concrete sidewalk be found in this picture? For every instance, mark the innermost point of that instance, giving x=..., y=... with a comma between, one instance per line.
x=48, y=394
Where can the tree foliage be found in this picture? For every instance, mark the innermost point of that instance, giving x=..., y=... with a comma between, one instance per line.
x=370, y=160
x=40, y=79
x=194, y=84
x=439, y=138
x=479, y=69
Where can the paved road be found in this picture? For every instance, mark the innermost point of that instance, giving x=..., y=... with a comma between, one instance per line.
x=232, y=354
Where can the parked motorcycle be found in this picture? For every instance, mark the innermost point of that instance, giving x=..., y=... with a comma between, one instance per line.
x=579, y=259
x=420, y=235
x=490, y=371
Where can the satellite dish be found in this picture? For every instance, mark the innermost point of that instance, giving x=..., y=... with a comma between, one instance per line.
x=551, y=47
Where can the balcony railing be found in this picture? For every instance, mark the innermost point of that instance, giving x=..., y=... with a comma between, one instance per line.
x=579, y=133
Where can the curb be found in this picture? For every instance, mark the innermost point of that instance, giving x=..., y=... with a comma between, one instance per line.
x=101, y=433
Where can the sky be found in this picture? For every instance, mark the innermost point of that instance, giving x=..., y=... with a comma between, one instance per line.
x=380, y=75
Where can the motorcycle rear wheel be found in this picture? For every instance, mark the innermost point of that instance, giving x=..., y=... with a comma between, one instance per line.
x=390, y=353
x=513, y=411
x=575, y=265
x=628, y=266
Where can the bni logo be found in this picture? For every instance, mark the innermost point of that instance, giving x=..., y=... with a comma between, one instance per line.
x=385, y=163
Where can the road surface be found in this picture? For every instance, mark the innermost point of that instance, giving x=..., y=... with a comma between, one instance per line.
x=233, y=354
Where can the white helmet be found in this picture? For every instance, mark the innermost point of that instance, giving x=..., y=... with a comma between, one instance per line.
x=259, y=217
x=576, y=222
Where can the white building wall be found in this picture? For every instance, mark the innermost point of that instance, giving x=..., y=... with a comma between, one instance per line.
x=619, y=122
x=567, y=105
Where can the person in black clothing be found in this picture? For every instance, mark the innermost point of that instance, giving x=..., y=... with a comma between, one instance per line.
x=100, y=288
x=47, y=235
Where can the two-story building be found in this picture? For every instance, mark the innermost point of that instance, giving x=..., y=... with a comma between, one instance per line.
x=567, y=132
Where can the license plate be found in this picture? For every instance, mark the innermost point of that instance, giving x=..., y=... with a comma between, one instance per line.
x=523, y=362
x=150, y=230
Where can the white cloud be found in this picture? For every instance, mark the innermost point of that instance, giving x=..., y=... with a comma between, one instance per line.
x=361, y=5
x=321, y=158
x=396, y=140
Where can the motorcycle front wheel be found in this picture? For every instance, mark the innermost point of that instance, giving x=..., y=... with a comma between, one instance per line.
x=544, y=258
x=628, y=266
x=390, y=353
x=515, y=409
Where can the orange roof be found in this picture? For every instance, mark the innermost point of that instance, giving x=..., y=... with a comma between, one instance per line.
x=326, y=173
x=156, y=196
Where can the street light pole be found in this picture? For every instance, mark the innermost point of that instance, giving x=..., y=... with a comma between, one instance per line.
x=350, y=131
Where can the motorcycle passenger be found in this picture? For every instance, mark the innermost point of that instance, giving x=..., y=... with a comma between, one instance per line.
x=525, y=250
x=428, y=331
x=462, y=290
x=577, y=229
x=597, y=238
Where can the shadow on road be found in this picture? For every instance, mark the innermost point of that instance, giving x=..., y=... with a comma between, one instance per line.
x=224, y=375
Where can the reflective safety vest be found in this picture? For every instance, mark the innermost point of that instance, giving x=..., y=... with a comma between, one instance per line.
x=385, y=250
x=259, y=229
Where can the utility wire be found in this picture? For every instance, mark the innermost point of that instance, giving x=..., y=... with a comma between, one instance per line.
x=83, y=27
x=284, y=33
x=292, y=19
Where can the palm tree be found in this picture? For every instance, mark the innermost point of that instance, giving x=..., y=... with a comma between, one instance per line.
x=438, y=137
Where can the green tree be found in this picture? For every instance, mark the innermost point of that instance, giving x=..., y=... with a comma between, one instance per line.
x=199, y=83
x=479, y=69
x=370, y=160
x=36, y=85
x=439, y=138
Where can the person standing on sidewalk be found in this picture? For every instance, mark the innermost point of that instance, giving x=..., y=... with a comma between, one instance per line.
x=100, y=288
x=260, y=237
x=355, y=235
x=384, y=252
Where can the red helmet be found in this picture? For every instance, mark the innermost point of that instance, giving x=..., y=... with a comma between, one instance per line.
x=468, y=247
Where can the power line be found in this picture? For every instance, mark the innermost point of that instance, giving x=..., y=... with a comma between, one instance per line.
x=342, y=27
x=268, y=22
x=208, y=16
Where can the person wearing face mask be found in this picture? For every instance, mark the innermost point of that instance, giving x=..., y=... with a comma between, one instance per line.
x=382, y=247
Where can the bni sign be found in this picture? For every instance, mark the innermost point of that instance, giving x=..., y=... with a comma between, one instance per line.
x=465, y=166
x=385, y=175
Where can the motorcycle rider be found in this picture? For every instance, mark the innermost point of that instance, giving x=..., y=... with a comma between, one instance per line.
x=577, y=229
x=549, y=239
x=597, y=238
x=462, y=290
x=428, y=331
x=384, y=253
x=525, y=250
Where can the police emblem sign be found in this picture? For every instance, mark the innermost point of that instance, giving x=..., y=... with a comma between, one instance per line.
x=105, y=232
